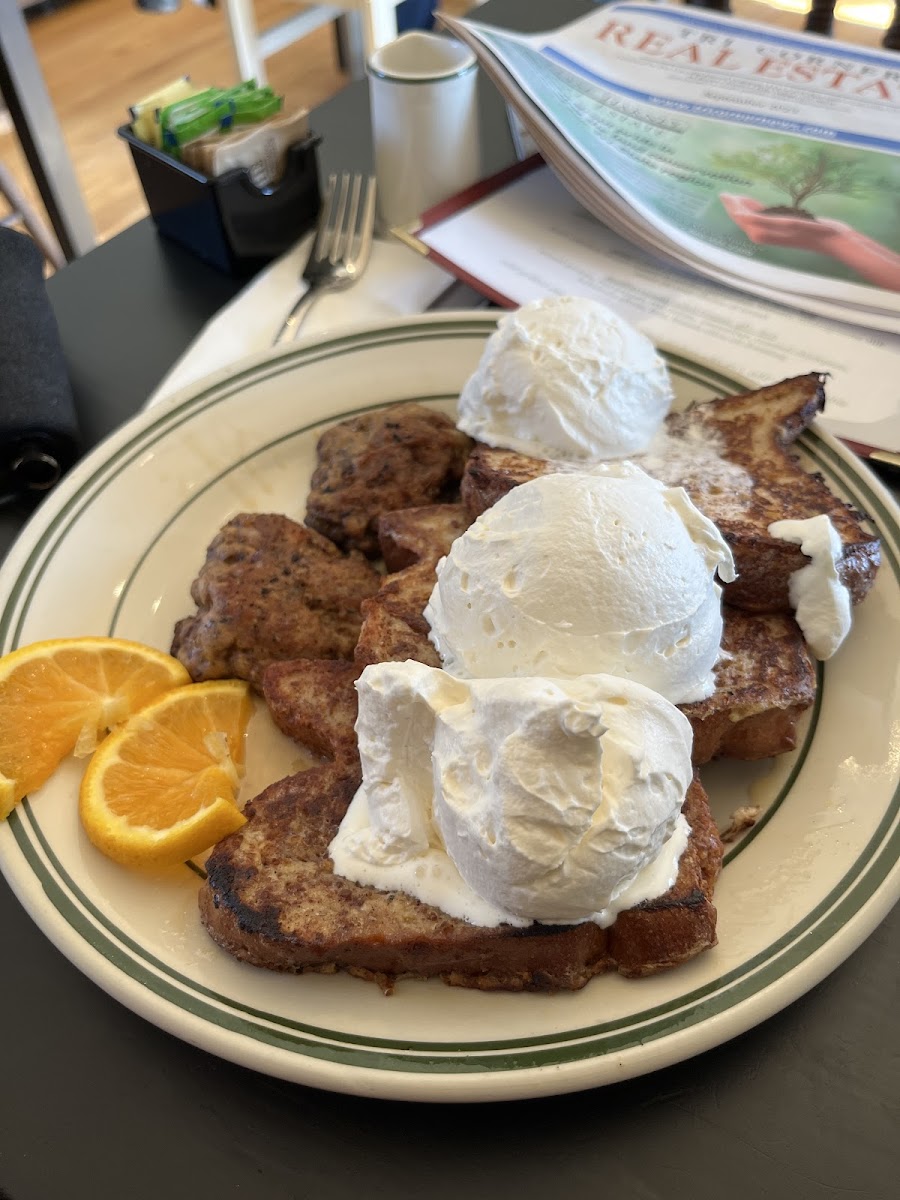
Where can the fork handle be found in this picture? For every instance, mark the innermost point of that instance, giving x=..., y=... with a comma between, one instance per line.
x=297, y=315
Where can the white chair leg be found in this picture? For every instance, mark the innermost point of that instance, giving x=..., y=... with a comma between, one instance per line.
x=244, y=39
x=350, y=47
x=376, y=19
x=379, y=24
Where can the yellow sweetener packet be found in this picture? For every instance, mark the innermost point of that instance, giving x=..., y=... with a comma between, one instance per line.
x=145, y=114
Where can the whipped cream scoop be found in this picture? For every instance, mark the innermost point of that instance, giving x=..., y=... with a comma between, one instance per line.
x=516, y=800
x=564, y=377
x=820, y=601
x=604, y=571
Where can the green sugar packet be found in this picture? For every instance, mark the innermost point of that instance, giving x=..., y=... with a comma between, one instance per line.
x=215, y=110
x=186, y=120
x=251, y=107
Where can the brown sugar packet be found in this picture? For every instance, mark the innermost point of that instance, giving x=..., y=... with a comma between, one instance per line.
x=261, y=149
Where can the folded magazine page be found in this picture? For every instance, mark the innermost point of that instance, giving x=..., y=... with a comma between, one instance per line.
x=765, y=159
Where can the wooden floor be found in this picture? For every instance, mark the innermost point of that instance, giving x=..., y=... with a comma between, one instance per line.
x=99, y=56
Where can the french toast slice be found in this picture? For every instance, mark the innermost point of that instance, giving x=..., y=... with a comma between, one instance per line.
x=393, y=621
x=271, y=589
x=415, y=535
x=765, y=680
x=393, y=625
x=397, y=457
x=761, y=481
x=272, y=899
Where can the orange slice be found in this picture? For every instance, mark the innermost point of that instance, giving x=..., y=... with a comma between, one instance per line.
x=161, y=789
x=61, y=696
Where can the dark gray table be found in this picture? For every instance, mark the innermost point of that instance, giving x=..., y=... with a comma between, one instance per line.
x=96, y=1103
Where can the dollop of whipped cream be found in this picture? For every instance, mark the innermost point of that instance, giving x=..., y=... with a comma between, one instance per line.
x=564, y=377
x=599, y=572
x=516, y=800
x=821, y=603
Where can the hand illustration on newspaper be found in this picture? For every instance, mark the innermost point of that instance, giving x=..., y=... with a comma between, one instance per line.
x=875, y=263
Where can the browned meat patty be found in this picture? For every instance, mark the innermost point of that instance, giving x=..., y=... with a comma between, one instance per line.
x=271, y=590
x=399, y=457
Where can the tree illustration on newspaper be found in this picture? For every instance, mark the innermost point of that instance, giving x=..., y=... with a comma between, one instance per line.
x=855, y=233
x=802, y=170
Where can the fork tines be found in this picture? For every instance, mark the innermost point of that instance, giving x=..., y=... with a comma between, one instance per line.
x=341, y=247
x=347, y=220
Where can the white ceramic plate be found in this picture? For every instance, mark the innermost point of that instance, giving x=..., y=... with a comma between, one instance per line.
x=114, y=551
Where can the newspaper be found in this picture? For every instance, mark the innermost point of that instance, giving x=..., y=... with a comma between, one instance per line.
x=765, y=160
x=530, y=238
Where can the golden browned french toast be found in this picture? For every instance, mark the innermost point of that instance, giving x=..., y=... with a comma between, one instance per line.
x=765, y=681
x=272, y=899
x=398, y=457
x=271, y=589
x=393, y=625
x=415, y=535
x=762, y=482
x=412, y=540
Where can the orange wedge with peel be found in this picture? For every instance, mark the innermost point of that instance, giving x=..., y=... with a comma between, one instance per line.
x=161, y=789
x=61, y=696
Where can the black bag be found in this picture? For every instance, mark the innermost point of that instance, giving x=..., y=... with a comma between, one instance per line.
x=39, y=437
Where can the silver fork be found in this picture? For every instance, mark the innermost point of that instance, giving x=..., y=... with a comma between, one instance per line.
x=340, y=252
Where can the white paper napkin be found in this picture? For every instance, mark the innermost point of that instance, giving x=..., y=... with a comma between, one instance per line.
x=397, y=282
